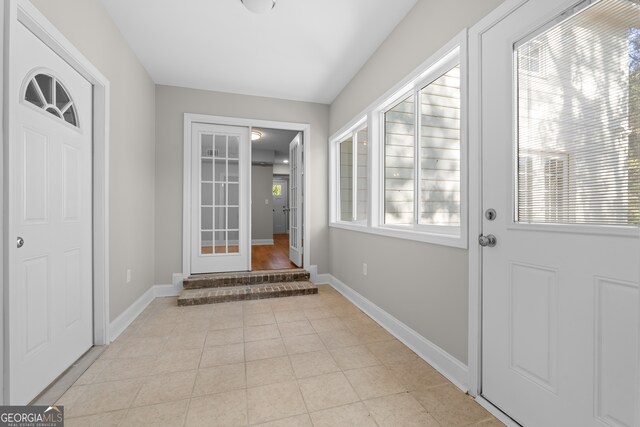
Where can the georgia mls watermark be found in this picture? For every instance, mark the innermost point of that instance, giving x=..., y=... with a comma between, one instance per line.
x=31, y=416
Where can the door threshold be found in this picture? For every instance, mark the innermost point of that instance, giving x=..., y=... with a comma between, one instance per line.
x=496, y=412
x=60, y=385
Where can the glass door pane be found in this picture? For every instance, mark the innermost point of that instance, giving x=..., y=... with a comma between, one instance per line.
x=219, y=190
x=578, y=123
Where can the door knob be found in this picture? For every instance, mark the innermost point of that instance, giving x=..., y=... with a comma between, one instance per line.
x=20, y=242
x=489, y=240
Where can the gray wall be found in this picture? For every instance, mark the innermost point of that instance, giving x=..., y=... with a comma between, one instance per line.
x=423, y=285
x=171, y=104
x=261, y=213
x=281, y=169
x=132, y=151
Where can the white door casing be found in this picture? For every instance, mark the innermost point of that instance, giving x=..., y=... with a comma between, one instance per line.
x=560, y=311
x=50, y=199
x=280, y=207
x=220, y=216
x=295, y=201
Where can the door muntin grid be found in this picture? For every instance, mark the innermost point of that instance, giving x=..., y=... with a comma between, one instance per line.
x=219, y=220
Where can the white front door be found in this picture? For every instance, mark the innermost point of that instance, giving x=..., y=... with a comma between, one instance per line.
x=295, y=201
x=50, y=244
x=560, y=134
x=280, y=213
x=219, y=198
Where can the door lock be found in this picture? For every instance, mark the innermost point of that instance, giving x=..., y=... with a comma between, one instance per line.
x=20, y=242
x=488, y=240
x=490, y=214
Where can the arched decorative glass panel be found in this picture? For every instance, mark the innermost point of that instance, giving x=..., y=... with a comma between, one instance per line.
x=46, y=92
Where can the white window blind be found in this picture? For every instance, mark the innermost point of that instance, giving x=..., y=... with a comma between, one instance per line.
x=578, y=119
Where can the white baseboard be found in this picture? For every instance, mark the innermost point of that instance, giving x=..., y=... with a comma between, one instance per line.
x=454, y=370
x=160, y=291
x=172, y=290
x=319, y=278
x=129, y=315
x=256, y=242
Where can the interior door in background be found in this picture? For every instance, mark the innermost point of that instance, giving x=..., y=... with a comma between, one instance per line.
x=560, y=133
x=280, y=206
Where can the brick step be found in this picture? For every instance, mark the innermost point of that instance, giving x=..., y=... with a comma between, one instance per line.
x=219, y=280
x=246, y=292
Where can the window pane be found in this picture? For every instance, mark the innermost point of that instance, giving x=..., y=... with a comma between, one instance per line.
x=207, y=194
x=46, y=86
x=362, y=177
x=32, y=95
x=220, y=147
x=346, y=179
x=578, y=123
x=62, y=98
x=70, y=116
x=440, y=151
x=399, y=158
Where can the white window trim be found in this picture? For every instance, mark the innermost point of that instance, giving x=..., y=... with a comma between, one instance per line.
x=453, y=53
x=334, y=152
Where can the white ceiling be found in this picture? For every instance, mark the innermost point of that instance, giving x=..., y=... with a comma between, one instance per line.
x=305, y=50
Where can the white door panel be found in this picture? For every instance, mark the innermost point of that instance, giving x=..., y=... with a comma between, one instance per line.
x=295, y=201
x=220, y=198
x=560, y=311
x=50, y=286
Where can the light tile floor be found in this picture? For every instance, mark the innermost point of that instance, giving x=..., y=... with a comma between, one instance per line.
x=302, y=361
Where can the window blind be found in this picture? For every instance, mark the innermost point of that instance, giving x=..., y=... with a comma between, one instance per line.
x=578, y=119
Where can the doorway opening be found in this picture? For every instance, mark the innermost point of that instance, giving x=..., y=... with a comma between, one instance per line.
x=271, y=199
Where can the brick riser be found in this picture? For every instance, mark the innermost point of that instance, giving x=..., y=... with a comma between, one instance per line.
x=244, y=293
x=245, y=279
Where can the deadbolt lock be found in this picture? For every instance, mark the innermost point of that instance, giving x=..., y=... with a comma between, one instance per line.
x=490, y=214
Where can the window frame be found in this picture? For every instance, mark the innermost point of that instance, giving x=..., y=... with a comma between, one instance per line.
x=451, y=54
x=430, y=76
x=336, y=174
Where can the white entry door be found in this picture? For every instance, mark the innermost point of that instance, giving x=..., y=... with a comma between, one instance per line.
x=219, y=198
x=561, y=163
x=295, y=200
x=280, y=208
x=50, y=244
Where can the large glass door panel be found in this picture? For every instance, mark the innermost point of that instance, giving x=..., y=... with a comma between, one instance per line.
x=219, y=155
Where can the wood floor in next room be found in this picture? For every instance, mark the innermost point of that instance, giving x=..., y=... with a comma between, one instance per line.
x=272, y=257
x=313, y=360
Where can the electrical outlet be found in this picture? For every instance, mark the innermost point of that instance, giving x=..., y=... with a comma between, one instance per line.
x=128, y=275
x=364, y=268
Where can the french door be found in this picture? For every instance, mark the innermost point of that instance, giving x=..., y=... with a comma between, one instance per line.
x=560, y=134
x=220, y=157
x=295, y=201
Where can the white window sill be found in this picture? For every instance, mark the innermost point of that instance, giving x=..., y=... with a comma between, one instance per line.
x=418, y=236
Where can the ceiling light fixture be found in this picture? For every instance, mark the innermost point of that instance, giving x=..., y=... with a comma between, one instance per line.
x=255, y=135
x=259, y=6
